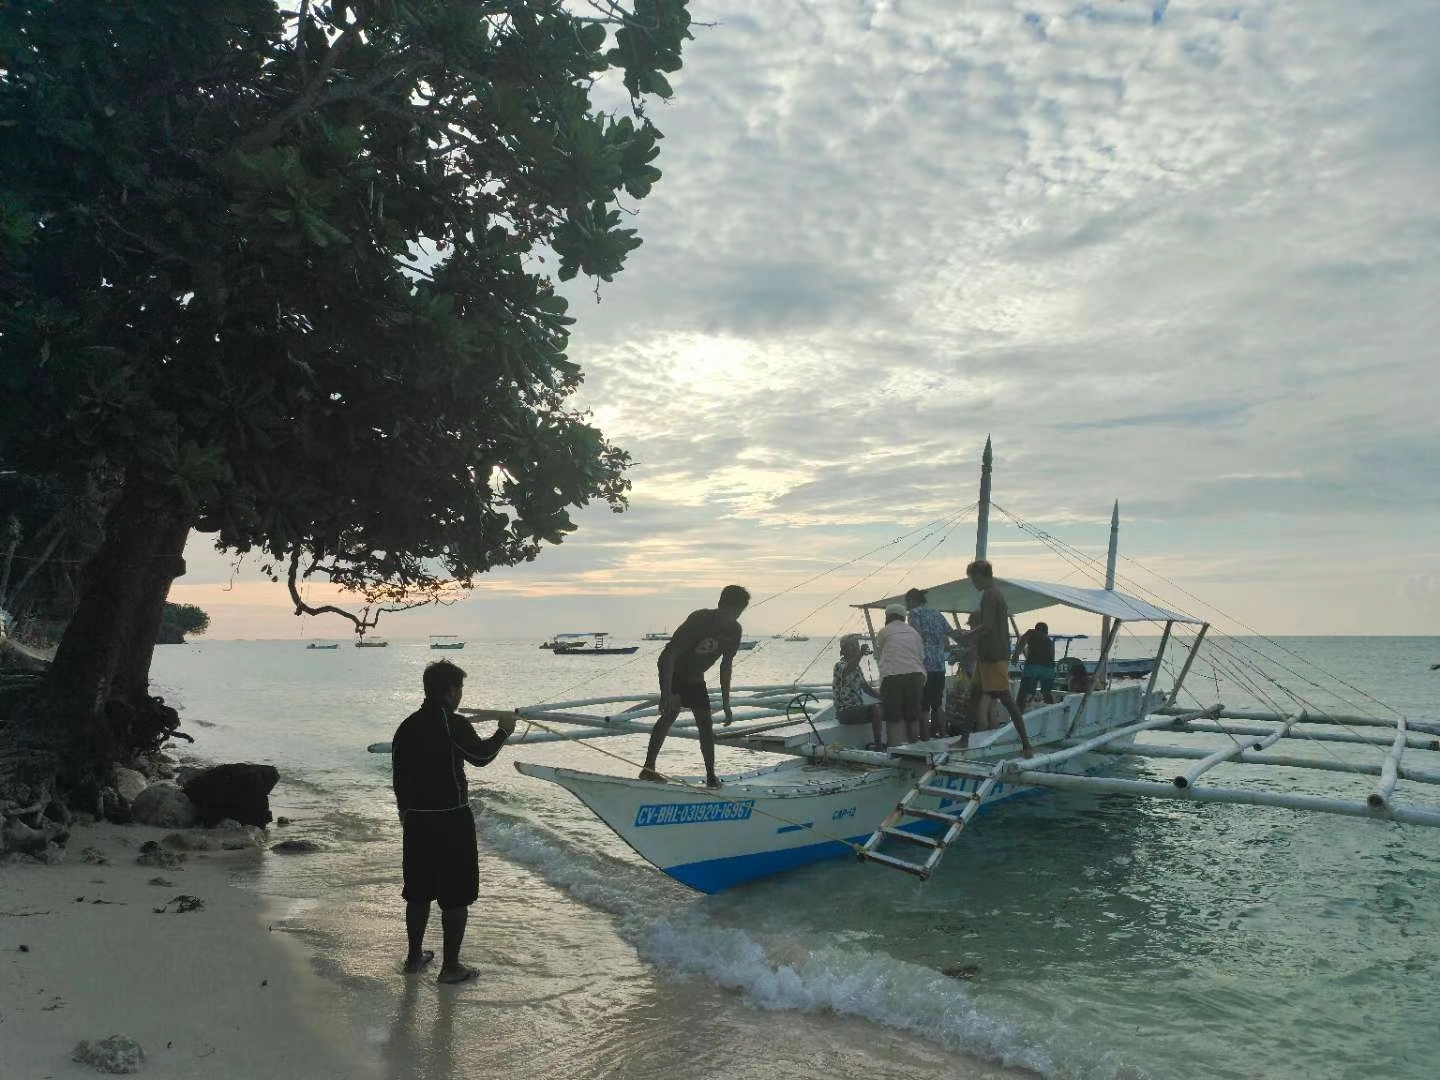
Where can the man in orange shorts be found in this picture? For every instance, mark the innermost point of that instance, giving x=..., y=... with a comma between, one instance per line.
x=992, y=650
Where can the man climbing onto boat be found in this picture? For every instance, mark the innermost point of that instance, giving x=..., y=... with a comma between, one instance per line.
x=705, y=636
x=1039, y=670
x=992, y=652
x=440, y=860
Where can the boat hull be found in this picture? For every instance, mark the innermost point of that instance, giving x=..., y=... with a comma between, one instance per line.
x=760, y=823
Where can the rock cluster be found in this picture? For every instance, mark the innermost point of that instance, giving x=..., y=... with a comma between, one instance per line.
x=233, y=797
x=116, y=1054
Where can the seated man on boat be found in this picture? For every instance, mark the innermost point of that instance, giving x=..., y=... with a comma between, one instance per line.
x=1039, y=670
x=855, y=701
x=992, y=656
x=705, y=636
x=901, y=654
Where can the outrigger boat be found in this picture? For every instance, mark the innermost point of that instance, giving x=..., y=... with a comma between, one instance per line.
x=903, y=807
x=589, y=643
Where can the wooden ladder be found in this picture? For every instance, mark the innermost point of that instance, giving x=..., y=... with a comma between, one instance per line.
x=954, y=822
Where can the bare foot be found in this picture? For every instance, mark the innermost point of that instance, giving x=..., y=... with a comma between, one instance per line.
x=418, y=963
x=712, y=781
x=458, y=974
x=650, y=774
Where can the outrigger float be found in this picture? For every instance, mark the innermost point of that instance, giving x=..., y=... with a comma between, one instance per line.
x=904, y=807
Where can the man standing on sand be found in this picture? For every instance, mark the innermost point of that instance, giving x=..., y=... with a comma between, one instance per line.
x=992, y=652
x=705, y=636
x=440, y=860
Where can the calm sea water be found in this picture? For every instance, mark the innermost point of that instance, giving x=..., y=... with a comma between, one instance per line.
x=1102, y=937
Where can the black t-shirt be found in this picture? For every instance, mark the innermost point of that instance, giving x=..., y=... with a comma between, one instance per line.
x=1039, y=649
x=428, y=756
x=701, y=640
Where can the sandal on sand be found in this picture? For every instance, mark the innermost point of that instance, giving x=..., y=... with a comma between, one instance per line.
x=414, y=967
x=465, y=974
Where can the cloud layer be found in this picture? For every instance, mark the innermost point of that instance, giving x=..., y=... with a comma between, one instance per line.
x=1182, y=255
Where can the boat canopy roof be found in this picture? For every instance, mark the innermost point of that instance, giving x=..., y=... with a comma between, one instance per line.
x=1022, y=596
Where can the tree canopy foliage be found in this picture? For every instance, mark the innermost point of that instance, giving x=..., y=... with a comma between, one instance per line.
x=179, y=620
x=287, y=276
x=286, y=272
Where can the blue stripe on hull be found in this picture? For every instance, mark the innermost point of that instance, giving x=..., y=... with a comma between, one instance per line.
x=716, y=875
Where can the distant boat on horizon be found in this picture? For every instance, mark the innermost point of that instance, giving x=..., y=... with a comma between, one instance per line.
x=591, y=643
x=377, y=643
x=446, y=641
x=323, y=645
x=657, y=635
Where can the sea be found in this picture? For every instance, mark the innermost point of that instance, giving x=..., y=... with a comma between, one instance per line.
x=1065, y=936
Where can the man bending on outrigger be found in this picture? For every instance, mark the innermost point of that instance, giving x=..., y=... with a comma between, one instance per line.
x=705, y=636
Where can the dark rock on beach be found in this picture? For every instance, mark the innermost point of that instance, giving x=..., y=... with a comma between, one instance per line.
x=164, y=805
x=240, y=791
x=116, y=1054
x=296, y=847
x=152, y=854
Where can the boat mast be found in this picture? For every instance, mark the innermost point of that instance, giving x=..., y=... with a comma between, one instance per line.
x=1110, y=558
x=982, y=525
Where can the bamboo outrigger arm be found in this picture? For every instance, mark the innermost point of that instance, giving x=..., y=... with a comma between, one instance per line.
x=1253, y=757
x=1248, y=796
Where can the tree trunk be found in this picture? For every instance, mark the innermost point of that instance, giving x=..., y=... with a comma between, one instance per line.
x=99, y=685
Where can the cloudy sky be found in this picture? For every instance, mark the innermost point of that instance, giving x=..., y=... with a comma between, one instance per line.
x=1184, y=255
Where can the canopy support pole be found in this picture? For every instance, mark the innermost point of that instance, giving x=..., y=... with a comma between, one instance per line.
x=1155, y=670
x=1184, y=671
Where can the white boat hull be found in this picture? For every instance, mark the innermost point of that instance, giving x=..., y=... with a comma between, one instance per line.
x=759, y=823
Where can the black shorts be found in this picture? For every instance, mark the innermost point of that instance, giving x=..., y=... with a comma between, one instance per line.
x=934, y=691
x=693, y=695
x=440, y=859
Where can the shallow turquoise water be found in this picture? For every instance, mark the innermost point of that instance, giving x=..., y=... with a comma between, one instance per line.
x=1103, y=937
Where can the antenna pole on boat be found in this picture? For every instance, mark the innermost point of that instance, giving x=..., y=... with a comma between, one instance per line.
x=982, y=525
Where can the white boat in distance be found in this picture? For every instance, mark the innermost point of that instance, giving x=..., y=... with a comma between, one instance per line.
x=904, y=806
x=446, y=641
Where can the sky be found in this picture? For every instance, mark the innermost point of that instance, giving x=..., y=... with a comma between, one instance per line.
x=1183, y=256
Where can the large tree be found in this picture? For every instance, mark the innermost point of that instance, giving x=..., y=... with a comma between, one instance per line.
x=286, y=277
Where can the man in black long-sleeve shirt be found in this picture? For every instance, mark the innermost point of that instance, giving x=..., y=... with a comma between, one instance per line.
x=441, y=864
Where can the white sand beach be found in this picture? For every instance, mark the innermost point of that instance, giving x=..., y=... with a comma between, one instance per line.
x=210, y=991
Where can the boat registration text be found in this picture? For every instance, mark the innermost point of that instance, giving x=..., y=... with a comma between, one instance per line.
x=694, y=813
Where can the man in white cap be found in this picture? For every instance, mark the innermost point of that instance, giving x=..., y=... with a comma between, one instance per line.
x=900, y=652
